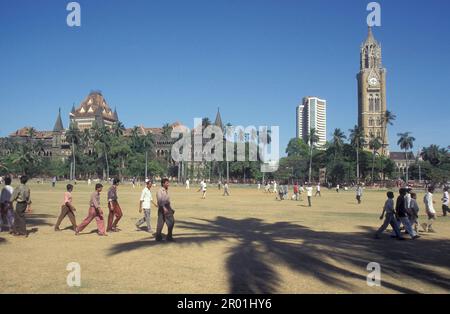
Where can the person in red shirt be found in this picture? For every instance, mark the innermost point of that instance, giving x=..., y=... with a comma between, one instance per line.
x=296, y=191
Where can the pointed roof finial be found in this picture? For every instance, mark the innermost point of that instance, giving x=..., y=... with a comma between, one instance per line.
x=370, y=37
x=58, y=124
x=218, y=121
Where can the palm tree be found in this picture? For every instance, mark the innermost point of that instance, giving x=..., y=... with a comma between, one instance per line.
x=357, y=140
x=338, y=142
x=388, y=119
x=31, y=133
x=375, y=144
x=406, y=142
x=73, y=136
x=312, y=140
x=118, y=129
x=101, y=143
x=433, y=154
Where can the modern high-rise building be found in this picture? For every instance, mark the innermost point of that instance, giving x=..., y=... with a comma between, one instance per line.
x=372, y=93
x=312, y=114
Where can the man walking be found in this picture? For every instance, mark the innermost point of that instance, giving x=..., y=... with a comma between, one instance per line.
x=296, y=191
x=226, y=189
x=203, y=189
x=114, y=207
x=309, y=192
x=22, y=198
x=359, y=192
x=318, y=190
x=67, y=209
x=431, y=212
x=146, y=203
x=6, y=208
x=445, y=200
x=388, y=209
x=402, y=214
x=95, y=212
x=187, y=184
x=165, y=212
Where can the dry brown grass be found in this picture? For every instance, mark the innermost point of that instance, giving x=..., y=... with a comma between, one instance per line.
x=248, y=242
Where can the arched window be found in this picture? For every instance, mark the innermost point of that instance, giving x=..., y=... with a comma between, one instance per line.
x=377, y=103
x=371, y=103
x=370, y=122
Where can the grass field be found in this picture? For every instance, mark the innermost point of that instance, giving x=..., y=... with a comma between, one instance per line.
x=245, y=243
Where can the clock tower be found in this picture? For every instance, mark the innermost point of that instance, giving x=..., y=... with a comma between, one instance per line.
x=372, y=93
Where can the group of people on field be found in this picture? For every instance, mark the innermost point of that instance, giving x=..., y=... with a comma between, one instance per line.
x=15, y=220
x=404, y=213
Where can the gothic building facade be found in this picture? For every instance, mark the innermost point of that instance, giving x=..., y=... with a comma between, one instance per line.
x=372, y=93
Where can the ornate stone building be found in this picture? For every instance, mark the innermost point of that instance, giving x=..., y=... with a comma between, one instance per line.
x=372, y=92
x=94, y=109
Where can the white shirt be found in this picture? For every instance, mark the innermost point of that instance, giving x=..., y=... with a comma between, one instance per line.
x=203, y=185
x=445, y=199
x=408, y=200
x=309, y=190
x=318, y=188
x=146, y=198
x=428, y=200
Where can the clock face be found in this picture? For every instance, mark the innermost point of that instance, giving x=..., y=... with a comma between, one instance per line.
x=373, y=81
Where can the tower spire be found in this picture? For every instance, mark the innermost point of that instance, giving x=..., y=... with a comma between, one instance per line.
x=218, y=121
x=58, y=124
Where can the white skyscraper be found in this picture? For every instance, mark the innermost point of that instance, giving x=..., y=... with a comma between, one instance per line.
x=312, y=114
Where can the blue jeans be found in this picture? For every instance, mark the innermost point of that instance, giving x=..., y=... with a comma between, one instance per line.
x=408, y=227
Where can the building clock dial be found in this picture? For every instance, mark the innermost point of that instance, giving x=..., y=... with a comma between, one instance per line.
x=373, y=81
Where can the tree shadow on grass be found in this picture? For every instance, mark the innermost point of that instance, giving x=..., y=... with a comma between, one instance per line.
x=35, y=220
x=3, y=240
x=326, y=256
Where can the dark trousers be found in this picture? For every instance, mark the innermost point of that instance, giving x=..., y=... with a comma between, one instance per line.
x=65, y=211
x=167, y=219
x=358, y=198
x=114, y=211
x=445, y=210
x=20, y=226
x=309, y=201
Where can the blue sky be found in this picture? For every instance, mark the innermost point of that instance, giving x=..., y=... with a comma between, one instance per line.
x=166, y=61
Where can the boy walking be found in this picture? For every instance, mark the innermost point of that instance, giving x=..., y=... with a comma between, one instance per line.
x=146, y=203
x=95, y=212
x=22, y=198
x=6, y=208
x=388, y=210
x=429, y=207
x=67, y=209
x=114, y=207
